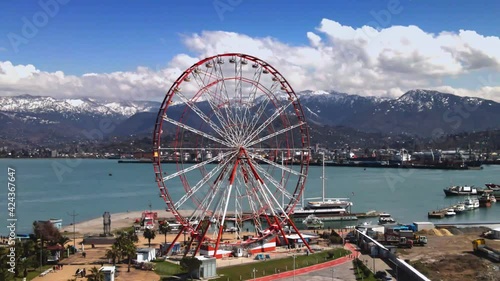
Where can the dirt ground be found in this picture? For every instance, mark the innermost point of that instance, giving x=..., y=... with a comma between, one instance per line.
x=96, y=256
x=449, y=256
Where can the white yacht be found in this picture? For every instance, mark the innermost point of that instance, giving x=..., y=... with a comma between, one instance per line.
x=385, y=218
x=459, y=208
x=450, y=213
x=471, y=203
x=313, y=222
x=324, y=206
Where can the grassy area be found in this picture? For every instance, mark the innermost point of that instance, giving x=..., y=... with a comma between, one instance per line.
x=362, y=272
x=270, y=267
x=165, y=268
x=123, y=229
x=33, y=273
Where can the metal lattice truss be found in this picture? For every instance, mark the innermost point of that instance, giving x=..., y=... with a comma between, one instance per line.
x=221, y=129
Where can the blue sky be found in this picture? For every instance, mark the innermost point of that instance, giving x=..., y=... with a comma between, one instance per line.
x=119, y=36
x=105, y=36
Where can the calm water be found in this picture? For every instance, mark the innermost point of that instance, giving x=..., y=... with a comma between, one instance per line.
x=49, y=188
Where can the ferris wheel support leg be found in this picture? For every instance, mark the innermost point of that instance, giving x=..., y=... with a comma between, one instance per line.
x=300, y=235
x=221, y=226
x=191, y=240
x=175, y=240
x=202, y=238
x=281, y=230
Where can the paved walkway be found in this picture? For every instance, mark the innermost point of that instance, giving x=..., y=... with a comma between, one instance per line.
x=342, y=272
x=320, y=270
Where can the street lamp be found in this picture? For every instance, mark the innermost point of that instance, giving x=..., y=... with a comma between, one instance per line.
x=294, y=266
x=254, y=271
x=333, y=275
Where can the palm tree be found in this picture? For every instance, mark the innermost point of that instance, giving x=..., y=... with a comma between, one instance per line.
x=5, y=274
x=164, y=229
x=113, y=253
x=125, y=245
x=129, y=249
x=149, y=234
x=95, y=275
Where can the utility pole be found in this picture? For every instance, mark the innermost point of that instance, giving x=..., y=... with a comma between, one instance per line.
x=74, y=230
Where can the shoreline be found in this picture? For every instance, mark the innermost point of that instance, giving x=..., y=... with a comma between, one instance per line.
x=118, y=221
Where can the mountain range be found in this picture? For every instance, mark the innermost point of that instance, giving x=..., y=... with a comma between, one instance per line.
x=47, y=120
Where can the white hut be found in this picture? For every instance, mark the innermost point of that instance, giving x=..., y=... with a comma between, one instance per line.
x=109, y=272
x=146, y=254
x=495, y=233
x=207, y=268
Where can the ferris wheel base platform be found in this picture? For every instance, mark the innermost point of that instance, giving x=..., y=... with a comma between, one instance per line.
x=209, y=251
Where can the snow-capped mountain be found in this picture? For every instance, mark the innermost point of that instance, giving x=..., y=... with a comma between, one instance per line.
x=39, y=104
x=419, y=112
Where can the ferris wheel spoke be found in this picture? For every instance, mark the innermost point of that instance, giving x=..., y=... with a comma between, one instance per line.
x=193, y=130
x=223, y=90
x=203, y=181
x=203, y=116
x=284, y=130
x=258, y=114
x=265, y=192
x=254, y=155
x=193, y=167
x=213, y=104
x=273, y=181
x=252, y=93
x=266, y=123
x=210, y=197
x=227, y=122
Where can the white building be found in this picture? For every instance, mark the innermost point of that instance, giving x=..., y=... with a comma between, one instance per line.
x=109, y=272
x=207, y=268
x=496, y=233
x=145, y=254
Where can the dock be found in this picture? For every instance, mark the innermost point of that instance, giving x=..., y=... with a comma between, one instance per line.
x=369, y=214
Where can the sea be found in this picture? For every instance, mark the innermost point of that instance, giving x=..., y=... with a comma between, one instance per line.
x=57, y=188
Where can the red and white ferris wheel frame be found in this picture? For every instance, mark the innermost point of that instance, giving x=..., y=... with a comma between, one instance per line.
x=158, y=129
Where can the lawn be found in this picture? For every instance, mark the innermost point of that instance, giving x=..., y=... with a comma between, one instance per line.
x=362, y=272
x=269, y=267
x=166, y=268
x=33, y=273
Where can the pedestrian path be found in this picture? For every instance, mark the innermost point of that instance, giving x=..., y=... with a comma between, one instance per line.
x=313, y=268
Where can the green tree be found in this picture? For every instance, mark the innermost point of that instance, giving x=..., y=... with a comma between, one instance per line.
x=190, y=264
x=149, y=234
x=45, y=231
x=5, y=273
x=125, y=243
x=164, y=229
x=95, y=275
x=113, y=253
x=129, y=249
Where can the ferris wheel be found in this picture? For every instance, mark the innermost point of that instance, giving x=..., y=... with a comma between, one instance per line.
x=231, y=153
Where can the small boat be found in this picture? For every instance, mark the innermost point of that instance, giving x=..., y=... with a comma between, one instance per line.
x=459, y=208
x=461, y=190
x=385, y=218
x=486, y=199
x=492, y=185
x=313, y=222
x=450, y=213
x=493, y=188
x=471, y=203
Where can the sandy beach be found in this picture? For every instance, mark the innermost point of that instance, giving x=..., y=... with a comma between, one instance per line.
x=118, y=221
x=96, y=256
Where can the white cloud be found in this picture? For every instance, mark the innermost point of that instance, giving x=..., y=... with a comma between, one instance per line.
x=365, y=61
